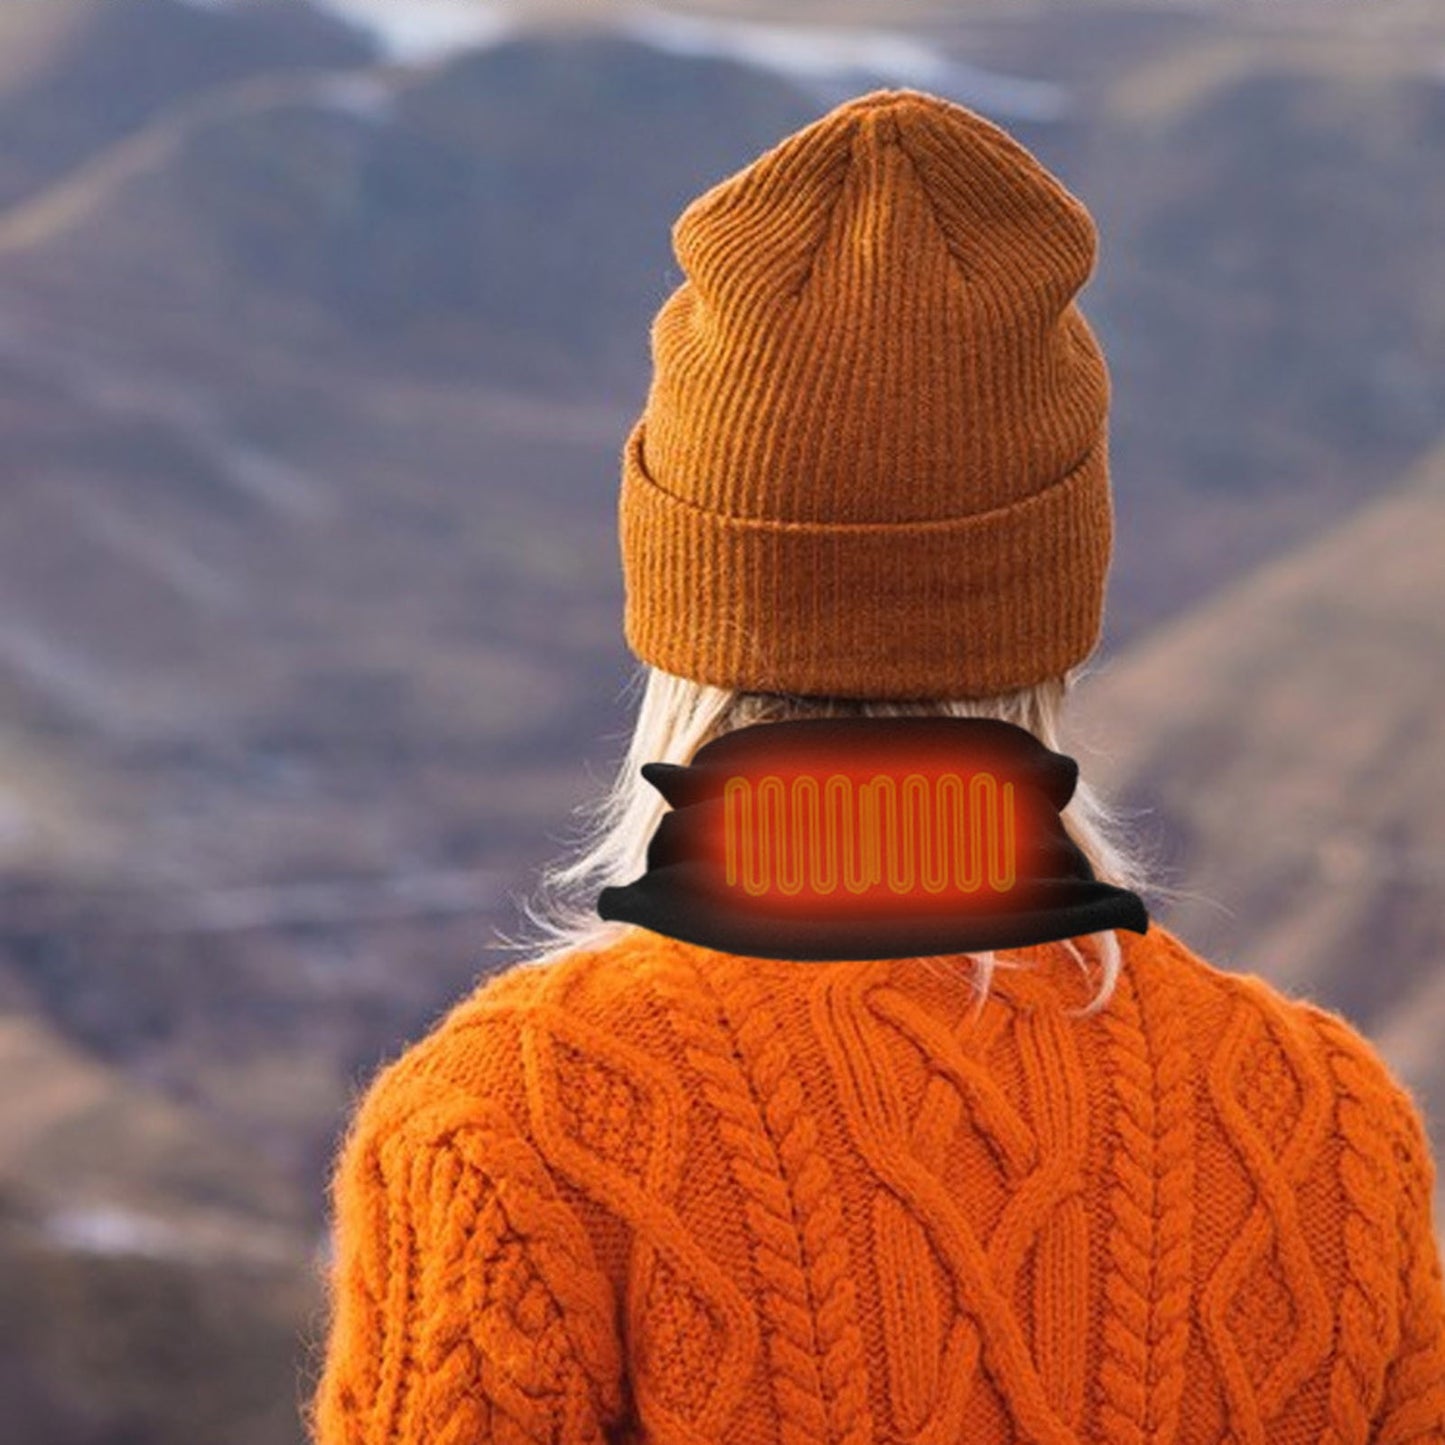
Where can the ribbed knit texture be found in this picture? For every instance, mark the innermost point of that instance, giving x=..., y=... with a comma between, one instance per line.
x=873, y=459
x=660, y=1193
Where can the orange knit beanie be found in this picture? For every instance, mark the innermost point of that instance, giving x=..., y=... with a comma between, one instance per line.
x=873, y=460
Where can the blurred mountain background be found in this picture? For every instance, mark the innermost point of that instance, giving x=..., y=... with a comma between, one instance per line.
x=321, y=327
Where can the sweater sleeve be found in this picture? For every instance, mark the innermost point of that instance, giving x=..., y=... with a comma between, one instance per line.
x=465, y=1302
x=1413, y=1408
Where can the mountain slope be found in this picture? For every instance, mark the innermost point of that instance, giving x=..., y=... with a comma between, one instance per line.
x=486, y=215
x=1287, y=737
x=72, y=77
x=155, y=1278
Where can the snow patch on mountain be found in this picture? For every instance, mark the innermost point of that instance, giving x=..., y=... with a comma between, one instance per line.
x=830, y=63
x=834, y=62
x=419, y=30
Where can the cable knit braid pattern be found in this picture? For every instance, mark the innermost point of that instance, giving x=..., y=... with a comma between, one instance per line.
x=659, y=1193
x=468, y=1305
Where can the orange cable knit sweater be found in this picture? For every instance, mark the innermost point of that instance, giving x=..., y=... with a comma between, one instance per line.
x=661, y=1193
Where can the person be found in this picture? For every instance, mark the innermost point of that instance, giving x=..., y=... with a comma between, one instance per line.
x=642, y=1188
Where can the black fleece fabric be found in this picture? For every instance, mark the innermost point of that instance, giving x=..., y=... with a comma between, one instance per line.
x=1047, y=891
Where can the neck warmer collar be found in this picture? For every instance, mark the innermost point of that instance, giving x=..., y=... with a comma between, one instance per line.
x=866, y=838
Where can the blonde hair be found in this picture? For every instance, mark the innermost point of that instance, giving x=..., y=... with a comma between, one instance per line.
x=677, y=716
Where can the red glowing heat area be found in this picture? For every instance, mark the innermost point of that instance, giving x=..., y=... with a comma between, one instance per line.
x=868, y=837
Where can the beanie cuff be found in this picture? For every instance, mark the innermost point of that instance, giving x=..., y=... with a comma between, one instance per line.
x=969, y=606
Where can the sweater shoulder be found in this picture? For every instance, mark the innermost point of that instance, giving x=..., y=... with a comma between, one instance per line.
x=474, y=1052
x=1366, y=1076
x=469, y=1298
x=1316, y=1041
